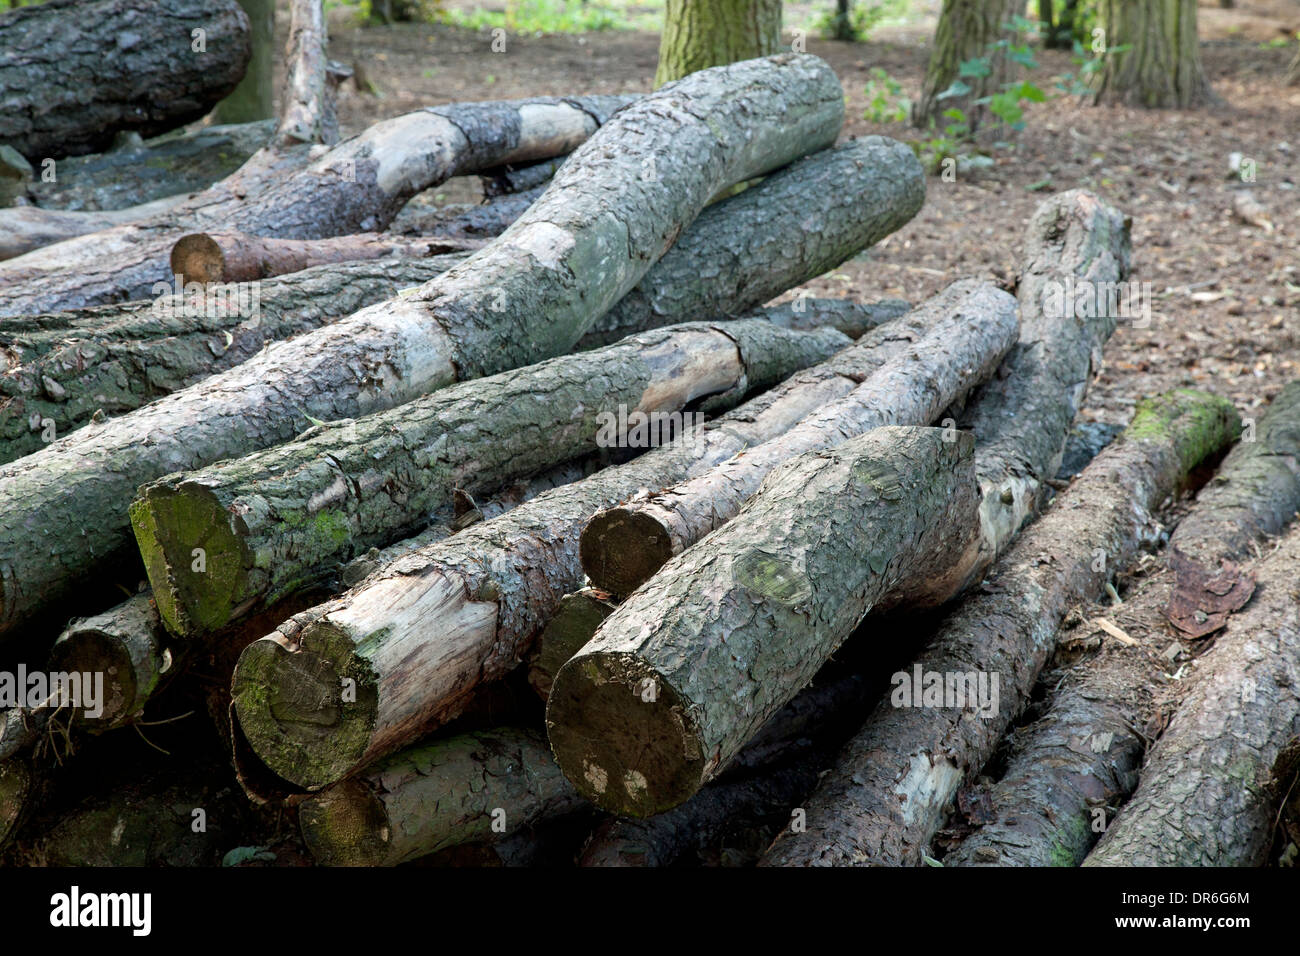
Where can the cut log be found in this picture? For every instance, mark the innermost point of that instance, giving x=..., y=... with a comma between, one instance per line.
x=278, y=520
x=972, y=327
x=687, y=670
x=437, y=795
x=24, y=228
x=75, y=72
x=1045, y=807
x=59, y=372
x=470, y=607
x=885, y=796
x=235, y=257
x=573, y=625
x=393, y=352
x=357, y=186
x=463, y=220
x=847, y=199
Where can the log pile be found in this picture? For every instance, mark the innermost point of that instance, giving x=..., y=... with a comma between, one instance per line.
x=540, y=532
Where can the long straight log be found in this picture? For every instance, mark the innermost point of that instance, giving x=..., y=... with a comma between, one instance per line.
x=972, y=327
x=471, y=606
x=1206, y=796
x=883, y=800
x=273, y=522
x=357, y=186
x=63, y=93
x=461, y=325
x=684, y=673
x=236, y=257
x=1045, y=805
x=437, y=795
x=24, y=228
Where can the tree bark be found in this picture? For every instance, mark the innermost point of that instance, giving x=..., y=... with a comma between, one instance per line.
x=15, y=791
x=459, y=326
x=1205, y=797
x=75, y=73
x=237, y=257
x=518, y=179
x=1293, y=71
x=972, y=326
x=275, y=521
x=967, y=30
x=436, y=795
x=30, y=227
x=684, y=673
x=463, y=220
x=59, y=372
x=254, y=98
x=1162, y=70
x=699, y=34
x=306, y=110
x=885, y=797
x=485, y=594
x=357, y=186
x=742, y=252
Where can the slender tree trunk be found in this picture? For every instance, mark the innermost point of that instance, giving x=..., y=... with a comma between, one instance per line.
x=1162, y=70
x=966, y=31
x=843, y=29
x=1293, y=71
x=254, y=98
x=885, y=797
x=699, y=34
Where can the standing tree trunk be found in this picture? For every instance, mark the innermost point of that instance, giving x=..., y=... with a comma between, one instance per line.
x=1293, y=71
x=254, y=97
x=703, y=33
x=843, y=29
x=1162, y=69
x=967, y=31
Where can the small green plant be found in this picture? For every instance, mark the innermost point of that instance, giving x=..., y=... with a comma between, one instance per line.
x=540, y=16
x=862, y=20
x=885, y=100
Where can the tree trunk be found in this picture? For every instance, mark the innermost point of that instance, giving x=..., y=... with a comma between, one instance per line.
x=464, y=220
x=254, y=98
x=699, y=34
x=302, y=507
x=885, y=796
x=843, y=29
x=684, y=673
x=65, y=94
x=574, y=624
x=437, y=795
x=1045, y=806
x=59, y=372
x=205, y=257
x=30, y=227
x=848, y=198
x=306, y=110
x=971, y=326
x=967, y=30
x=487, y=593
x=517, y=179
x=460, y=326
x=1162, y=70
x=1206, y=796
x=357, y=186
x=1293, y=71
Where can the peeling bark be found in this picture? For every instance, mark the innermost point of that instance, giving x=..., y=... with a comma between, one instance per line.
x=434, y=796
x=885, y=797
x=75, y=72
x=972, y=326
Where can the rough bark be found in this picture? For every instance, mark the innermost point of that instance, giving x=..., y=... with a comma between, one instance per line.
x=236, y=257
x=967, y=30
x=59, y=372
x=30, y=227
x=434, y=796
x=702, y=33
x=423, y=632
x=133, y=173
x=885, y=797
x=464, y=221
x=357, y=186
x=800, y=222
x=972, y=327
x=1162, y=70
x=686, y=670
x=518, y=179
x=254, y=98
x=1293, y=71
x=73, y=73
x=304, y=110
x=275, y=521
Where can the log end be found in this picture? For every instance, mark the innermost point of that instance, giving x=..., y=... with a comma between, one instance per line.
x=95, y=652
x=623, y=736
x=307, y=710
x=622, y=548
x=346, y=826
x=565, y=634
x=1198, y=424
x=198, y=258
x=194, y=554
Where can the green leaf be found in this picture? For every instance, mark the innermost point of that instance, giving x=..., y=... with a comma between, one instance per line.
x=958, y=88
x=980, y=66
